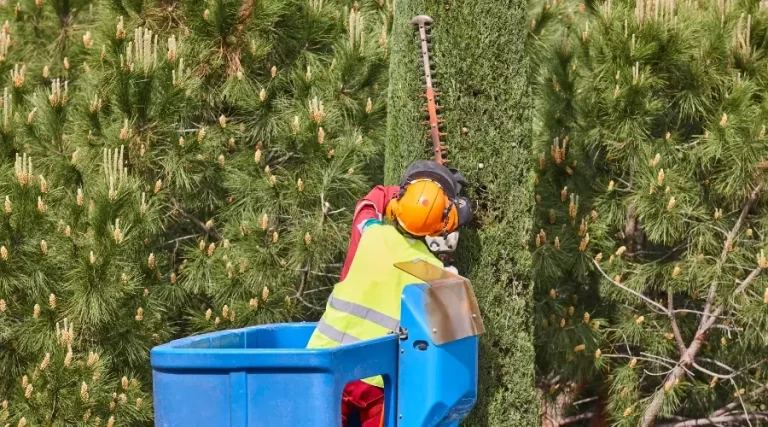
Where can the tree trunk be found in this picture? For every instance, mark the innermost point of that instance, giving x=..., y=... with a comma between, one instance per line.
x=481, y=71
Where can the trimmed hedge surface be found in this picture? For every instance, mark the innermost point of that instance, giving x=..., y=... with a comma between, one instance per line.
x=479, y=53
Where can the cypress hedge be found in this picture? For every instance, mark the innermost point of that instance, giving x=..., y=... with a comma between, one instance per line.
x=479, y=55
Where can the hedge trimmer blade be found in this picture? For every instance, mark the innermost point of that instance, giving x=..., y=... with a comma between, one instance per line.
x=423, y=24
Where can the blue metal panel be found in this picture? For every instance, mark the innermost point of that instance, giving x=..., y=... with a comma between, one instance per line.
x=263, y=376
x=437, y=385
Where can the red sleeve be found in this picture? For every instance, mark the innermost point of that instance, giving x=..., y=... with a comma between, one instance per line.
x=371, y=206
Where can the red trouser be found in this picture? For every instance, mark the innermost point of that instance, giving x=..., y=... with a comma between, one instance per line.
x=364, y=400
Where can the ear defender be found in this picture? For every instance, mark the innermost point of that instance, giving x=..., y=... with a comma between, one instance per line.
x=393, y=207
x=451, y=222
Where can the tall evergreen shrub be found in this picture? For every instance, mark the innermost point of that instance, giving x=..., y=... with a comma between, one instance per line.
x=480, y=63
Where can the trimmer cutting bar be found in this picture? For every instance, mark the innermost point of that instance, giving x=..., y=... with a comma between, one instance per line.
x=422, y=23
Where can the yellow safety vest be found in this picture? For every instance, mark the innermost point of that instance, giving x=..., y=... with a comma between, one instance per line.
x=366, y=304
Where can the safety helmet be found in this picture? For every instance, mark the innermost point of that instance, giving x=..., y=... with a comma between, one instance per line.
x=428, y=203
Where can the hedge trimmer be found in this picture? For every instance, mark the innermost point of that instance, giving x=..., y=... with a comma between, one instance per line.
x=443, y=246
x=423, y=24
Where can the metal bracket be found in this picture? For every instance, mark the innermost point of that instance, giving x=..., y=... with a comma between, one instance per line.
x=402, y=333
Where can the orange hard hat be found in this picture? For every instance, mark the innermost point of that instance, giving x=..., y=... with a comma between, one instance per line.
x=424, y=209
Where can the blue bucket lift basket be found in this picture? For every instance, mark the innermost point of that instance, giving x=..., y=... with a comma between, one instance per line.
x=264, y=376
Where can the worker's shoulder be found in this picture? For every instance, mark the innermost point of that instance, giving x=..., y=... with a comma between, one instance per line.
x=378, y=227
x=377, y=230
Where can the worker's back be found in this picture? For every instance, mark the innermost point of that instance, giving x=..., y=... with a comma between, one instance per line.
x=366, y=304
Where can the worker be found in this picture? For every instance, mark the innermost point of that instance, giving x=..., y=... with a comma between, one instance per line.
x=425, y=211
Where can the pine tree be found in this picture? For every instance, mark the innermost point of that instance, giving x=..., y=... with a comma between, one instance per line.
x=649, y=190
x=162, y=162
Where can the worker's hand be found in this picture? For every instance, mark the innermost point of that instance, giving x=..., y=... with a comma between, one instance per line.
x=452, y=269
x=443, y=245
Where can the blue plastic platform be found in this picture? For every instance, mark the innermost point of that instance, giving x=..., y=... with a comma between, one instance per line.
x=263, y=376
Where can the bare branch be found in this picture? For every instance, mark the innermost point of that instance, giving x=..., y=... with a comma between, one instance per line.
x=577, y=418
x=685, y=310
x=304, y=271
x=648, y=359
x=672, y=363
x=718, y=363
x=653, y=303
x=728, y=329
x=744, y=407
x=315, y=273
x=181, y=239
x=657, y=374
x=308, y=304
x=675, y=329
x=713, y=374
x=587, y=400
x=665, y=359
x=747, y=281
x=735, y=230
x=324, y=288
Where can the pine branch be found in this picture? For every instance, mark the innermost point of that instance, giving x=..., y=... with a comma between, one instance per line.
x=662, y=309
x=726, y=247
x=658, y=399
x=244, y=14
x=629, y=229
x=686, y=359
x=723, y=161
x=710, y=421
x=191, y=218
x=706, y=322
x=731, y=406
x=705, y=326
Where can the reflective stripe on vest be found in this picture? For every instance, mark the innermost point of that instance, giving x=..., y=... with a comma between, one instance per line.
x=340, y=337
x=363, y=312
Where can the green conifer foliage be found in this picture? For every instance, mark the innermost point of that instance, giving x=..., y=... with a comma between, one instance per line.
x=649, y=249
x=480, y=63
x=166, y=169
